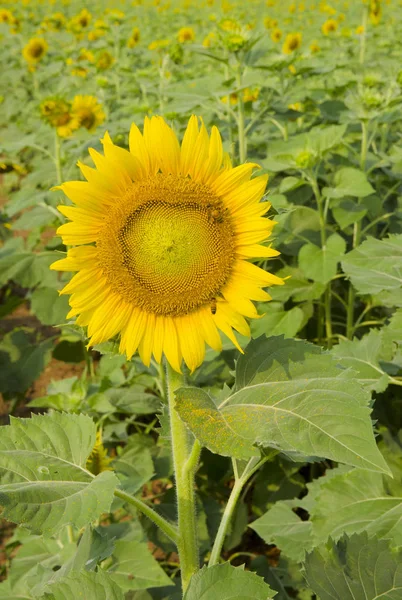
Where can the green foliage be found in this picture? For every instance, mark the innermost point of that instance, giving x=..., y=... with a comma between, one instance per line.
x=355, y=569
x=223, y=582
x=290, y=396
x=45, y=484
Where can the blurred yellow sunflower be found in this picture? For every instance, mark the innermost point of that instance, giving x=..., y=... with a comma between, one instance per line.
x=276, y=35
x=35, y=50
x=88, y=111
x=330, y=26
x=104, y=61
x=6, y=16
x=164, y=234
x=186, y=34
x=134, y=38
x=375, y=11
x=292, y=42
x=58, y=113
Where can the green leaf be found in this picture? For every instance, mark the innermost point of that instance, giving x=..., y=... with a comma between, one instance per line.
x=134, y=464
x=363, y=357
x=348, y=212
x=320, y=264
x=135, y=568
x=355, y=569
x=28, y=269
x=354, y=501
x=349, y=182
x=45, y=484
x=86, y=585
x=22, y=360
x=277, y=321
x=49, y=306
x=375, y=265
x=297, y=287
x=290, y=396
x=282, y=527
x=224, y=582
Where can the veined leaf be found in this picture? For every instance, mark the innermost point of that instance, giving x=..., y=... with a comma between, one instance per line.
x=224, y=582
x=349, y=182
x=363, y=357
x=88, y=585
x=290, y=396
x=320, y=264
x=282, y=527
x=375, y=265
x=135, y=568
x=355, y=569
x=45, y=484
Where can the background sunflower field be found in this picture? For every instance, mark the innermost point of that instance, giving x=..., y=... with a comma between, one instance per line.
x=312, y=92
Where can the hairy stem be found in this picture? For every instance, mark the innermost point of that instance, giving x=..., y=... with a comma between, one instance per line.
x=185, y=461
x=168, y=528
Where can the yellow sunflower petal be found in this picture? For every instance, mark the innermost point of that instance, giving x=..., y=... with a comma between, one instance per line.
x=171, y=346
x=139, y=150
x=122, y=157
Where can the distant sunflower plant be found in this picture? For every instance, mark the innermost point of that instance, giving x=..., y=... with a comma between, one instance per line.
x=161, y=239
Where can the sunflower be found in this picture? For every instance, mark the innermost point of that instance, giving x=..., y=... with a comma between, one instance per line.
x=330, y=26
x=134, y=38
x=276, y=35
x=185, y=34
x=58, y=113
x=163, y=237
x=6, y=16
x=292, y=43
x=375, y=11
x=104, y=61
x=88, y=111
x=35, y=50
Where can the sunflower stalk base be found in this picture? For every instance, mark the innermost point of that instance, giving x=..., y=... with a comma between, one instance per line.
x=185, y=461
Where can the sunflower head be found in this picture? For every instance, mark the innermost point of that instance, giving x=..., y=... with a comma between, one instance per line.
x=330, y=26
x=104, y=61
x=185, y=34
x=276, y=35
x=375, y=11
x=58, y=113
x=134, y=38
x=292, y=43
x=88, y=111
x=6, y=16
x=35, y=50
x=163, y=238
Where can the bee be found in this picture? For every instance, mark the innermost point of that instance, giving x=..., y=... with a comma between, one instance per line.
x=213, y=306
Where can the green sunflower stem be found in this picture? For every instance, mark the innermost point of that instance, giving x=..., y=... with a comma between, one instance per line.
x=241, y=119
x=362, y=53
x=185, y=461
x=57, y=158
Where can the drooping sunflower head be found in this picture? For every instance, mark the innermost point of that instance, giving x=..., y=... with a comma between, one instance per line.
x=88, y=111
x=35, y=50
x=292, y=43
x=163, y=238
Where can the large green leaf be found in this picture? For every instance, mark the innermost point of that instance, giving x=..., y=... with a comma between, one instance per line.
x=291, y=396
x=349, y=182
x=375, y=265
x=355, y=501
x=363, y=357
x=320, y=264
x=85, y=585
x=45, y=484
x=355, y=569
x=224, y=582
x=135, y=568
x=282, y=527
